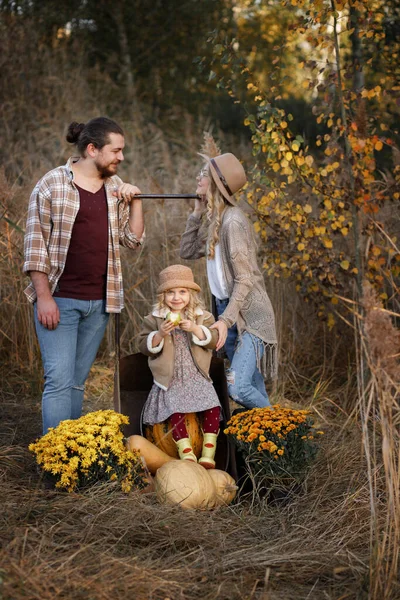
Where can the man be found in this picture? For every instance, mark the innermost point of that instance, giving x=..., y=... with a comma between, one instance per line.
x=78, y=215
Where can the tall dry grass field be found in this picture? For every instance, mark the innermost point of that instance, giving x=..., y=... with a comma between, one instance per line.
x=336, y=538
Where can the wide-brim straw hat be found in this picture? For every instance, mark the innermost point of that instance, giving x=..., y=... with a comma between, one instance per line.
x=228, y=174
x=177, y=276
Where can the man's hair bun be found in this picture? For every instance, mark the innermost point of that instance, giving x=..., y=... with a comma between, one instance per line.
x=74, y=131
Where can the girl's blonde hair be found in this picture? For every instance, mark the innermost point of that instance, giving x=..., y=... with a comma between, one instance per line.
x=195, y=301
x=216, y=205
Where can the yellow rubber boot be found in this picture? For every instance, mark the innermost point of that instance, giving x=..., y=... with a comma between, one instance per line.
x=185, y=450
x=208, y=451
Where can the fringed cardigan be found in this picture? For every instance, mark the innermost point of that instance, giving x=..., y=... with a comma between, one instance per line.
x=249, y=304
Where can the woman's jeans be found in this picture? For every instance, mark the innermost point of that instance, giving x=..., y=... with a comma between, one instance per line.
x=245, y=382
x=68, y=353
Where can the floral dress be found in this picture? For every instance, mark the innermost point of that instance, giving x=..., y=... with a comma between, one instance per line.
x=189, y=391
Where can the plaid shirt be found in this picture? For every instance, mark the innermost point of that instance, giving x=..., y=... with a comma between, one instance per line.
x=53, y=206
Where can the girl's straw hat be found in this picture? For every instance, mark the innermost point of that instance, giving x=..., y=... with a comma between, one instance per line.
x=177, y=276
x=228, y=174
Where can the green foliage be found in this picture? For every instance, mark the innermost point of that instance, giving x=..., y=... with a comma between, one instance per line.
x=319, y=213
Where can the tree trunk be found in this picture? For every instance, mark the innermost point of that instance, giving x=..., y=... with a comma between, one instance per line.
x=118, y=15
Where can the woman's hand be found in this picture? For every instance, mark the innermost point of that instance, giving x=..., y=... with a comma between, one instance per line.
x=200, y=205
x=222, y=329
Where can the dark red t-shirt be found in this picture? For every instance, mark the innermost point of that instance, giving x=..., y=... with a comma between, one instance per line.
x=85, y=273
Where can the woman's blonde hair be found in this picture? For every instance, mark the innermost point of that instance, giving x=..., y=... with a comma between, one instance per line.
x=216, y=205
x=195, y=301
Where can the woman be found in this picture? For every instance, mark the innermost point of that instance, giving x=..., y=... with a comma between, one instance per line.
x=246, y=322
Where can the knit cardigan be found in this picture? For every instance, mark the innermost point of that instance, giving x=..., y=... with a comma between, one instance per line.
x=249, y=304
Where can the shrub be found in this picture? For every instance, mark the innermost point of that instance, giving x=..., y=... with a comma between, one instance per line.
x=275, y=442
x=81, y=452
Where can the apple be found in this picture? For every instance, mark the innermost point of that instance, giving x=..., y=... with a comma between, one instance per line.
x=174, y=317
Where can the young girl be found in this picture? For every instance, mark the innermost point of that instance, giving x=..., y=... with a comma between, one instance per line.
x=179, y=347
x=246, y=322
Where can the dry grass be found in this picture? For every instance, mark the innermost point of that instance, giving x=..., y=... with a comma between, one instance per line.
x=101, y=544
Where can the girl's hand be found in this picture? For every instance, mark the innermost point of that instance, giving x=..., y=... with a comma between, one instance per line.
x=222, y=329
x=166, y=327
x=191, y=327
x=187, y=325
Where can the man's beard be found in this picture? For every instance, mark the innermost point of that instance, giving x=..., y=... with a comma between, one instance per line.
x=106, y=170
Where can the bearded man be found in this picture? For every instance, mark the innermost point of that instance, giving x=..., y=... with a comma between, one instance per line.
x=78, y=215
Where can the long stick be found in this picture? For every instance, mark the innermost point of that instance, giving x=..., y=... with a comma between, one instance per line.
x=190, y=196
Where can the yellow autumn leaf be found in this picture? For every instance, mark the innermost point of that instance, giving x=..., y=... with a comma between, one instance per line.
x=309, y=160
x=276, y=167
x=345, y=264
x=257, y=227
x=307, y=209
x=300, y=246
x=288, y=156
x=295, y=146
x=378, y=146
x=306, y=256
x=344, y=231
x=283, y=124
x=327, y=243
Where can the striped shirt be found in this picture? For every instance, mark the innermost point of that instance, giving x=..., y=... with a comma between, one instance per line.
x=53, y=206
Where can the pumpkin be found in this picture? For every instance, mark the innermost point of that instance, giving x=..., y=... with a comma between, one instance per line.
x=185, y=483
x=160, y=434
x=153, y=456
x=225, y=486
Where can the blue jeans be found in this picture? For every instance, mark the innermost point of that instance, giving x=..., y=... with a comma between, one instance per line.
x=68, y=353
x=231, y=339
x=245, y=382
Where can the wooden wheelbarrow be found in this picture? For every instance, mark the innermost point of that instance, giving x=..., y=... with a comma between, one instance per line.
x=133, y=381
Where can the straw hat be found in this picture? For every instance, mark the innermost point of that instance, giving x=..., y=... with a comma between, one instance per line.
x=177, y=276
x=228, y=174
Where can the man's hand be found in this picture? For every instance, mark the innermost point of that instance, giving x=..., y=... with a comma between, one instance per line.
x=222, y=329
x=47, y=312
x=127, y=192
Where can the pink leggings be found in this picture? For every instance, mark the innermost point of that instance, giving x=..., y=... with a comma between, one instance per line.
x=210, y=423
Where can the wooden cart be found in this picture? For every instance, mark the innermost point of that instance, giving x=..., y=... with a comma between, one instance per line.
x=134, y=382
